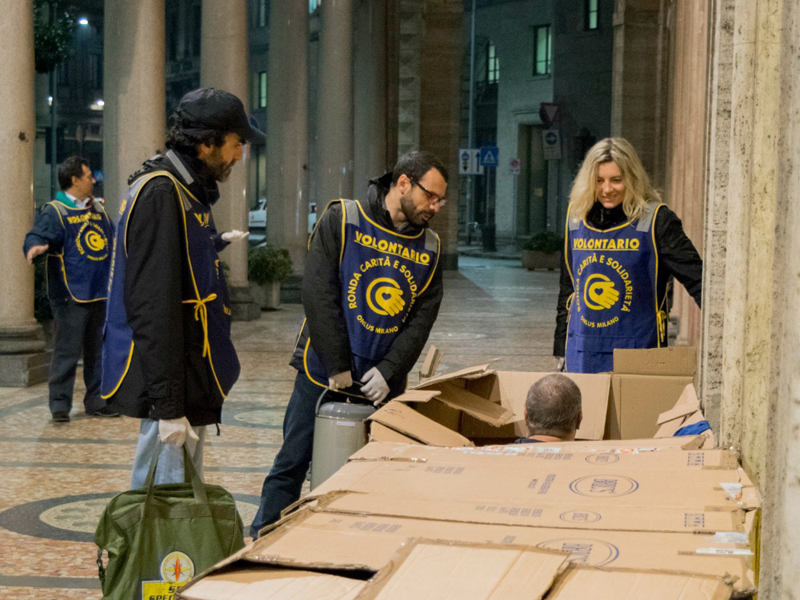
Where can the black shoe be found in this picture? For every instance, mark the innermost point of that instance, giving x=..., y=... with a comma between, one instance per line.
x=61, y=416
x=106, y=411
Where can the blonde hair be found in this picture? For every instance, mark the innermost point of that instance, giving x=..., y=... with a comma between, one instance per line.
x=638, y=190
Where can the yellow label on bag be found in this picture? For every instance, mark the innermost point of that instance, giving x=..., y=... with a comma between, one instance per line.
x=160, y=590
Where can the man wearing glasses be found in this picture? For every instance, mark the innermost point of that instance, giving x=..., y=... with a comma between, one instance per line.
x=371, y=293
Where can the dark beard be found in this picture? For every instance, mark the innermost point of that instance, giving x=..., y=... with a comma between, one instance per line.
x=411, y=213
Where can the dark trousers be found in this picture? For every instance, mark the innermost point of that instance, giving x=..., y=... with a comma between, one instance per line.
x=285, y=480
x=79, y=327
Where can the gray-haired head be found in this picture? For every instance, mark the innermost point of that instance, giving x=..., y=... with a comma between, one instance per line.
x=553, y=406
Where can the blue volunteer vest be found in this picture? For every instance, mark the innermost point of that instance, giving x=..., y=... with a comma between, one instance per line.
x=382, y=274
x=208, y=297
x=614, y=303
x=84, y=260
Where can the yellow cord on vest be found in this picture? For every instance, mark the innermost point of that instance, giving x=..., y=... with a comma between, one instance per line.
x=201, y=314
x=662, y=325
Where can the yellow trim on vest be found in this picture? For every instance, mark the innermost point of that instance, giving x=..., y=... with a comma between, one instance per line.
x=66, y=283
x=661, y=316
x=566, y=248
x=122, y=378
x=344, y=228
x=305, y=364
x=408, y=237
x=201, y=312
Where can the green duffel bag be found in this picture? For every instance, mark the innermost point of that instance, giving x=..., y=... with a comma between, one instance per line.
x=157, y=538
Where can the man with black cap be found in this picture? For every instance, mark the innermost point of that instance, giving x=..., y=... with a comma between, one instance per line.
x=168, y=356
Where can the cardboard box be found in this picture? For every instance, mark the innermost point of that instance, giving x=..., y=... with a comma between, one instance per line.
x=646, y=383
x=542, y=483
x=580, y=583
x=438, y=570
x=479, y=406
x=673, y=360
x=255, y=582
x=313, y=539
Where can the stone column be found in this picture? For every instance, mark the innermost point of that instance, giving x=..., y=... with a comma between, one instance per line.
x=635, y=77
x=134, y=119
x=335, y=101
x=753, y=152
x=686, y=177
x=440, y=102
x=369, y=93
x=781, y=481
x=715, y=242
x=409, y=75
x=287, y=127
x=223, y=65
x=23, y=361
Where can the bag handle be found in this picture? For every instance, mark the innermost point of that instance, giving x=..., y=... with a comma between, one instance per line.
x=189, y=476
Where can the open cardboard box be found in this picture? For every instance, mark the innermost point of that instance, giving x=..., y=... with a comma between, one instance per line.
x=480, y=406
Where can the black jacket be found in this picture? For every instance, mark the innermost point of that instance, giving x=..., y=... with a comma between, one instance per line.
x=677, y=257
x=322, y=297
x=168, y=377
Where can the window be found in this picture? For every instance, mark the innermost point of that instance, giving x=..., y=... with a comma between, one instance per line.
x=95, y=71
x=492, y=64
x=195, y=31
x=542, y=50
x=260, y=90
x=592, y=14
x=262, y=10
x=171, y=23
x=313, y=5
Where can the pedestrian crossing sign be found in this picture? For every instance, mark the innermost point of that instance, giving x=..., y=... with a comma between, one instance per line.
x=489, y=156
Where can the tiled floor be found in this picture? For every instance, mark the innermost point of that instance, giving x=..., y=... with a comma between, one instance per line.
x=55, y=479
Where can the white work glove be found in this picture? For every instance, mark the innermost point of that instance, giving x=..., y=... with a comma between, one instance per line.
x=35, y=251
x=175, y=431
x=560, y=363
x=341, y=381
x=375, y=386
x=234, y=235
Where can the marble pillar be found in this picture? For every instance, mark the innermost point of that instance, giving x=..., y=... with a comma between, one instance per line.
x=287, y=127
x=22, y=358
x=369, y=93
x=335, y=102
x=440, y=70
x=686, y=154
x=754, y=216
x=635, y=76
x=134, y=119
x=223, y=65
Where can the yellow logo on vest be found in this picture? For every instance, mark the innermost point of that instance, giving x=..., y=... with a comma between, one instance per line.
x=599, y=292
x=176, y=571
x=91, y=242
x=385, y=297
x=202, y=218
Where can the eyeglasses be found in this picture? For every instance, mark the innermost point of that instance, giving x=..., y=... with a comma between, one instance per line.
x=433, y=199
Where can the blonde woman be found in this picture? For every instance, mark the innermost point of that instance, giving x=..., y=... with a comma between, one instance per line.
x=622, y=246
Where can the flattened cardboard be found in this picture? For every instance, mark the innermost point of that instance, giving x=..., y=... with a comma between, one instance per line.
x=625, y=458
x=410, y=423
x=529, y=514
x=580, y=583
x=546, y=484
x=314, y=539
x=674, y=360
x=417, y=395
x=439, y=570
x=254, y=582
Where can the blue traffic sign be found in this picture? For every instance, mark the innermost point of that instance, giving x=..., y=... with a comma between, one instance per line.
x=489, y=156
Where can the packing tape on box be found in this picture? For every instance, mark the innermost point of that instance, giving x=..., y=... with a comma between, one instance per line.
x=730, y=537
